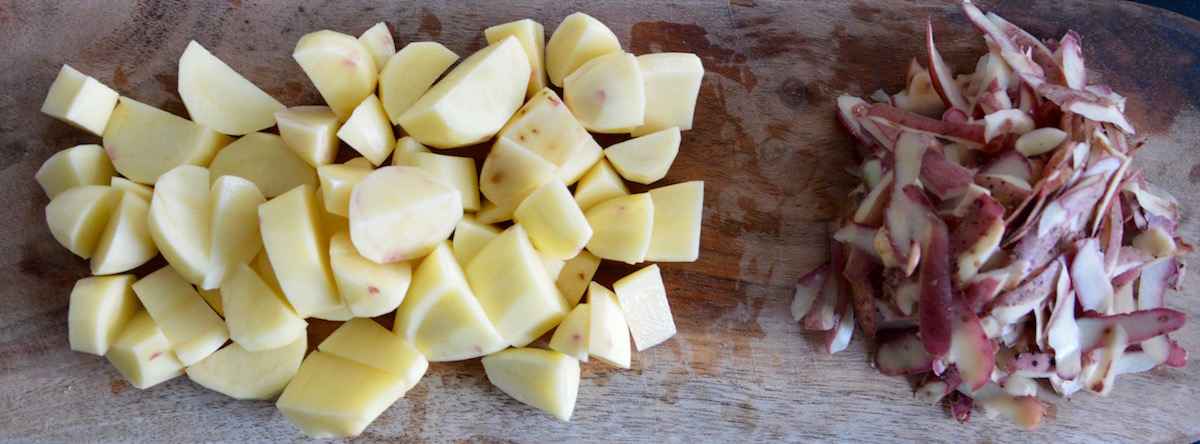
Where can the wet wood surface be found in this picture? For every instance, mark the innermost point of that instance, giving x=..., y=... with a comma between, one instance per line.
x=765, y=142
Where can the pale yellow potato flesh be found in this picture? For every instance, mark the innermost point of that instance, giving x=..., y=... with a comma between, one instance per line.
x=578, y=39
x=257, y=316
x=310, y=131
x=643, y=299
x=387, y=226
x=441, y=315
x=337, y=182
x=331, y=396
x=80, y=100
x=510, y=172
x=571, y=336
x=233, y=206
x=368, y=131
x=219, y=98
x=514, y=289
x=125, y=243
x=532, y=36
x=608, y=331
x=100, y=307
x=77, y=217
x=601, y=183
x=366, y=342
x=554, y=222
x=190, y=325
x=672, y=84
x=409, y=73
x=267, y=161
x=545, y=379
x=545, y=127
x=180, y=221
x=368, y=289
x=575, y=275
x=142, y=354
x=213, y=297
x=341, y=68
x=75, y=166
x=645, y=159
x=294, y=239
x=456, y=170
x=143, y=142
x=678, y=216
x=379, y=43
x=242, y=374
x=406, y=146
x=120, y=185
x=470, y=236
x=472, y=102
x=622, y=228
x=607, y=94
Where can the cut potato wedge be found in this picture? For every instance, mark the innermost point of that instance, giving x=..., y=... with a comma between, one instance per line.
x=545, y=127
x=337, y=182
x=368, y=289
x=556, y=225
x=310, y=131
x=125, y=243
x=532, y=36
x=643, y=300
x=266, y=160
x=471, y=103
x=242, y=374
x=459, y=172
x=342, y=69
x=144, y=142
x=142, y=353
x=571, y=336
x=77, y=218
x=545, y=379
x=366, y=342
x=578, y=39
x=672, y=84
x=409, y=73
x=510, y=172
x=258, y=317
x=294, y=239
x=379, y=43
x=608, y=334
x=189, y=324
x=645, y=159
x=601, y=183
x=219, y=98
x=331, y=396
x=470, y=236
x=678, y=213
x=514, y=288
x=80, y=100
x=387, y=226
x=622, y=227
x=75, y=166
x=180, y=221
x=100, y=307
x=368, y=131
x=607, y=94
x=575, y=275
x=233, y=205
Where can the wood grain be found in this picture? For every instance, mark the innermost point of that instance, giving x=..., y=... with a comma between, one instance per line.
x=764, y=141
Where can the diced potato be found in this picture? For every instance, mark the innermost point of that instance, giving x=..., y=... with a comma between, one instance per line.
x=387, y=226
x=532, y=36
x=219, y=98
x=601, y=183
x=545, y=379
x=359, y=162
x=571, y=336
x=577, y=39
x=672, y=83
x=575, y=275
x=366, y=342
x=258, y=317
x=180, y=221
x=332, y=223
x=142, y=354
x=80, y=100
x=607, y=94
x=144, y=142
x=264, y=159
x=100, y=307
x=332, y=396
x=75, y=166
x=242, y=374
x=340, y=314
x=545, y=127
x=310, y=131
x=471, y=103
x=608, y=334
x=189, y=324
x=409, y=73
x=470, y=236
x=556, y=225
x=379, y=43
x=405, y=147
x=514, y=289
x=294, y=240
x=510, y=172
x=645, y=159
x=368, y=289
x=490, y=213
x=552, y=265
x=441, y=315
x=458, y=171
x=643, y=299
x=125, y=243
x=368, y=131
x=337, y=182
x=678, y=213
x=77, y=217
x=233, y=205
x=341, y=68
x=622, y=228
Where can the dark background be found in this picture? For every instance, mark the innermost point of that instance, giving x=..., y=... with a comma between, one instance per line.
x=1190, y=8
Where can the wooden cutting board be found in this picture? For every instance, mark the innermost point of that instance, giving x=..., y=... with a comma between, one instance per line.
x=764, y=141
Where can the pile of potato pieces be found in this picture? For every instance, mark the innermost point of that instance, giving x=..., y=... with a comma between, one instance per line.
x=262, y=231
